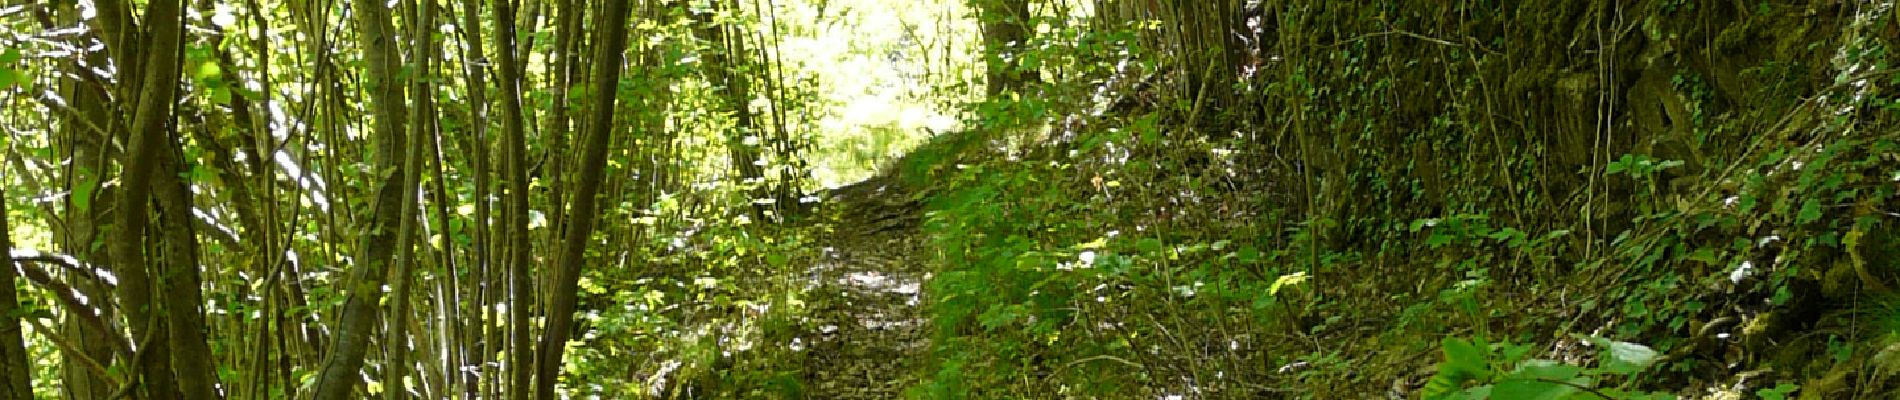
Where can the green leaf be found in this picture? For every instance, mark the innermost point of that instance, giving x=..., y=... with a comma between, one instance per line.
x=1782, y=295
x=209, y=70
x=1465, y=358
x=82, y=195
x=1528, y=389
x=1706, y=255
x=1464, y=362
x=10, y=55
x=1810, y=211
x=1000, y=316
x=1286, y=280
x=1547, y=369
x=1779, y=392
x=220, y=96
x=1476, y=393
x=1148, y=245
x=1248, y=254
x=10, y=78
x=1623, y=357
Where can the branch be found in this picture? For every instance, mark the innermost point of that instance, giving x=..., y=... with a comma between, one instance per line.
x=71, y=263
x=67, y=346
x=25, y=262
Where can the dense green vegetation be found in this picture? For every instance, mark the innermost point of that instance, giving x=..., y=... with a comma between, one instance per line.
x=949, y=199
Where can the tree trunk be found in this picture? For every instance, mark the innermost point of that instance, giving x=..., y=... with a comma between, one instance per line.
x=726, y=64
x=474, y=307
x=397, y=341
x=179, y=280
x=341, y=369
x=610, y=42
x=85, y=211
x=567, y=67
x=160, y=69
x=515, y=207
x=1005, y=34
x=16, y=376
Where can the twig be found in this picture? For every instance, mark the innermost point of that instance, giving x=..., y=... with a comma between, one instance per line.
x=1105, y=357
x=1410, y=34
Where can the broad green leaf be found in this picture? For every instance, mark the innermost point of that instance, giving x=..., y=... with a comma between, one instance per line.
x=82, y=195
x=10, y=77
x=1779, y=392
x=1464, y=359
x=1530, y=389
x=1623, y=357
x=209, y=70
x=1810, y=211
x=1547, y=369
x=1148, y=245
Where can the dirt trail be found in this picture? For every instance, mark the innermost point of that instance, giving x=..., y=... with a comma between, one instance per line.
x=868, y=297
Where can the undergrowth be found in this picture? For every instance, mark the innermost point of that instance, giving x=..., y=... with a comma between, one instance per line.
x=1131, y=254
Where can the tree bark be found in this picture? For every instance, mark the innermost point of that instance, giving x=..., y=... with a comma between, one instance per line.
x=1005, y=33
x=16, y=376
x=163, y=43
x=610, y=42
x=727, y=64
x=398, y=341
x=87, y=133
x=567, y=63
x=341, y=369
x=515, y=207
x=475, y=307
x=179, y=280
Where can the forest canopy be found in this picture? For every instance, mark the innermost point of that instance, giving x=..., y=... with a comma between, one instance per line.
x=948, y=199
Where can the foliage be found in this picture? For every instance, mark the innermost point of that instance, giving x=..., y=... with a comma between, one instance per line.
x=964, y=199
x=1475, y=361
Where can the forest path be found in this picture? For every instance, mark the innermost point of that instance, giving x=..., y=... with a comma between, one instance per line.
x=867, y=296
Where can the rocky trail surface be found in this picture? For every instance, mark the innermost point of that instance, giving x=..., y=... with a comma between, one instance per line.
x=867, y=292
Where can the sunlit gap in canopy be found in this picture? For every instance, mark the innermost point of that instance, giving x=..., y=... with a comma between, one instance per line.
x=882, y=76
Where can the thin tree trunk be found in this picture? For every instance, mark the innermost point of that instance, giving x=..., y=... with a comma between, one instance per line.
x=567, y=67
x=16, y=376
x=735, y=90
x=610, y=42
x=516, y=205
x=180, y=282
x=270, y=253
x=471, y=329
x=154, y=110
x=1005, y=32
x=341, y=369
x=398, y=341
x=792, y=173
x=85, y=211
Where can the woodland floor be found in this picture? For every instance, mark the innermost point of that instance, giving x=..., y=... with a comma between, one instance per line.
x=867, y=293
